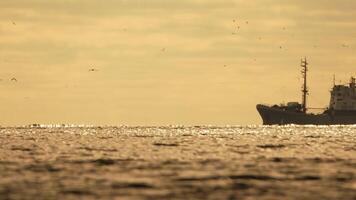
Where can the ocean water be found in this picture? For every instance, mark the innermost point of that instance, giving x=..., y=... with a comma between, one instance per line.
x=176, y=162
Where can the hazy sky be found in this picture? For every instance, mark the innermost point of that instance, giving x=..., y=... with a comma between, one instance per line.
x=167, y=61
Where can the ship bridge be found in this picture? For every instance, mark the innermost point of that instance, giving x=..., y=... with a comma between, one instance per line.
x=343, y=97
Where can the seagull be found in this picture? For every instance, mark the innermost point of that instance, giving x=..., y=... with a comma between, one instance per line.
x=344, y=45
x=93, y=70
x=14, y=79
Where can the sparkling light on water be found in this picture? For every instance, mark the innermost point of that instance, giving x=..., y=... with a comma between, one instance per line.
x=178, y=162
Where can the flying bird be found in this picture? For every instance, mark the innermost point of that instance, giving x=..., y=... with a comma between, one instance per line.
x=344, y=45
x=14, y=79
x=93, y=70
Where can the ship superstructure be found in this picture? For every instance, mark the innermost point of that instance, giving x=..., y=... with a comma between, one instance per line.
x=343, y=97
x=341, y=110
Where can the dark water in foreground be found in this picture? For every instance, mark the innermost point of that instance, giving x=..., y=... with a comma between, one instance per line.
x=292, y=162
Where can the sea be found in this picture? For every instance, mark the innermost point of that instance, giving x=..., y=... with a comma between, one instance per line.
x=178, y=162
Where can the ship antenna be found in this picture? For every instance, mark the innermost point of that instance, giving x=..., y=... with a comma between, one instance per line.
x=304, y=65
x=334, y=79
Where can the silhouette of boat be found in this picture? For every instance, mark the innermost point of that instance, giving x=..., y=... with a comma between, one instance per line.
x=341, y=110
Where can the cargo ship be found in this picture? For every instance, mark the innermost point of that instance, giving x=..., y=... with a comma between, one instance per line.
x=341, y=109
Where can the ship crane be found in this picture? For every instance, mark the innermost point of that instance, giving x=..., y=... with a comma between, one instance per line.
x=304, y=65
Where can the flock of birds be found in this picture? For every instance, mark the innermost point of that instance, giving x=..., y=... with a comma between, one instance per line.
x=237, y=27
x=13, y=79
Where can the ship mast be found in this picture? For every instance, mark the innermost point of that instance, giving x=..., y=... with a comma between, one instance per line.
x=304, y=65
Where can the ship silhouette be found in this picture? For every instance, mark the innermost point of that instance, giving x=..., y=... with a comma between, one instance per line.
x=341, y=109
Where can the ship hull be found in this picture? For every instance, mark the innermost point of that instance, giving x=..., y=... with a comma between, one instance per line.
x=275, y=115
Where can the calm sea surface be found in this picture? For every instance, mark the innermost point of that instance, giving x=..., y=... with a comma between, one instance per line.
x=237, y=162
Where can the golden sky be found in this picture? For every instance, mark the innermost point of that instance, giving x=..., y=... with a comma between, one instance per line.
x=166, y=62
